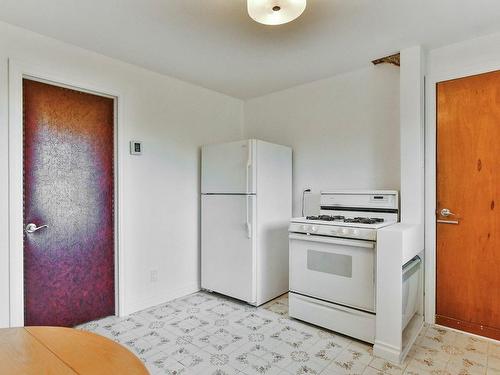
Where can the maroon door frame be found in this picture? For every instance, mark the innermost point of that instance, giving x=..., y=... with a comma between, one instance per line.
x=94, y=289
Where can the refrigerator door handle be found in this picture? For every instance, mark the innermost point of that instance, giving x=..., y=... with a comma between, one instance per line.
x=248, y=222
x=249, y=167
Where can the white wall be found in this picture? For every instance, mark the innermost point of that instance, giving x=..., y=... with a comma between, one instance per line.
x=160, y=190
x=344, y=131
x=469, y=57
x=412, y=137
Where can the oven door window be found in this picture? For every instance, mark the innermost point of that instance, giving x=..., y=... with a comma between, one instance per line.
x=335, y=270
x=334, y=264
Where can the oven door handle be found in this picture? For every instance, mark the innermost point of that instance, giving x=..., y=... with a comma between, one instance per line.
x=332, y=240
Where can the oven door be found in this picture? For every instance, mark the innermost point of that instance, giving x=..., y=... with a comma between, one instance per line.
x=333, y=269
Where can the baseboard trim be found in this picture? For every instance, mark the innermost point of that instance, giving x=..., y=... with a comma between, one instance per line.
x=150, y=301
x=387, y=351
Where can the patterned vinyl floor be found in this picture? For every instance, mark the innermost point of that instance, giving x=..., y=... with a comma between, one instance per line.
x=209, y=334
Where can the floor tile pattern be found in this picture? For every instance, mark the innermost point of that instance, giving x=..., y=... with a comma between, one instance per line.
x=209, y=334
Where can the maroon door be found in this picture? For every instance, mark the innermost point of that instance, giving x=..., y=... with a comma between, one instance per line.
x=68, y=186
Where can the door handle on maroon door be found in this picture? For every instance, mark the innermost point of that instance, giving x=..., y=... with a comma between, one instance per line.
x=32, y=228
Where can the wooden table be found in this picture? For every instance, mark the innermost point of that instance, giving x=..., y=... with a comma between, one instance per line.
x=61, y=351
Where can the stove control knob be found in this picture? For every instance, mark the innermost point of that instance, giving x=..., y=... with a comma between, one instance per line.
x=345, y=231
x=305, y=227
x=355, y=232
x=314, y=229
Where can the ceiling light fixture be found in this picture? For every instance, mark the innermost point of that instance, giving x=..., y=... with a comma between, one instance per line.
x=275, y=12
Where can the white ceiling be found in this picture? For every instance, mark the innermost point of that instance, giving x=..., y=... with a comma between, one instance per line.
x=213, y=43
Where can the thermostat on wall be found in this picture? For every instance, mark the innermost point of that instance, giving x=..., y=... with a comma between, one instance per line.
x=135, y=147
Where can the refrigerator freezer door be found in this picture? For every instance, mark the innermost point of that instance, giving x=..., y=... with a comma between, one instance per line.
x=228, y=245
x=228, y=168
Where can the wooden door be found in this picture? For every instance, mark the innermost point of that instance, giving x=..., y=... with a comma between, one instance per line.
x=69, y=187
x=468, y=185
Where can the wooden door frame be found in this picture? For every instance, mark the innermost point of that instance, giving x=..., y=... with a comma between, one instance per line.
x=16, y=72
x=431, y=175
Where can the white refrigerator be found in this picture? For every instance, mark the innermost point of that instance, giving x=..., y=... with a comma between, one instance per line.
x=246, y=205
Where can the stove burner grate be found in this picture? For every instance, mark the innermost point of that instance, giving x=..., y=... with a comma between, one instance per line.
x=326, y=218
x=358, y=220
x=365, y=220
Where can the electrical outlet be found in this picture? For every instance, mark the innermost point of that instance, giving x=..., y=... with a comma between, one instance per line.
x=154, y=276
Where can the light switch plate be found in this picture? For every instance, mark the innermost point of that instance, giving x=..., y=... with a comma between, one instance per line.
x=135, y=148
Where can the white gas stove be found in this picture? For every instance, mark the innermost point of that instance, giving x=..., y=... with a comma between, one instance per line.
x=333, y=260
x=333, y=226
x=351, y=214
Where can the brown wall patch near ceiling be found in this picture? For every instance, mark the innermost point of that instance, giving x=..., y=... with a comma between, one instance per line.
x=391, y=59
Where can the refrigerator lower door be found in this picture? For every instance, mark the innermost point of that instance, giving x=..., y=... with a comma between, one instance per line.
x=228, y=245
